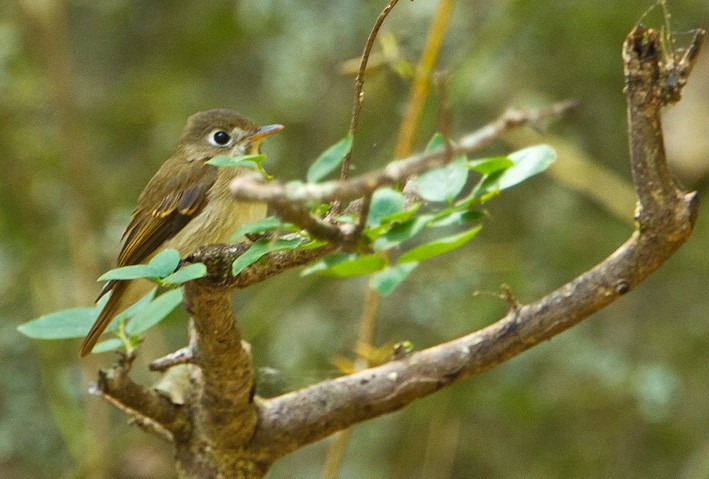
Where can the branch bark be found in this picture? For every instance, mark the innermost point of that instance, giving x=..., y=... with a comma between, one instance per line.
x=229, y=434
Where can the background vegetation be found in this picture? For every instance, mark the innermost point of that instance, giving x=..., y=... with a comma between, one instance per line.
x=94, y=96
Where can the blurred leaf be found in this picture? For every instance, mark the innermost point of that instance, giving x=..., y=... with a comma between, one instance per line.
x=385, y=202
x=107, y=345
x=443, y=184
x=329, y=160
x=133, y=308
x=403, y=215
x=269, y=223
x=64, y=324
x=527, y=162
x=260, y=248
x=488, y=166
x=387, y=280
x=355, y=266
x=455, y=218
x=187, y=273
x=400, y=233
x=327, y=262
x=154, y=312
x=436, y=141
x=439, y=246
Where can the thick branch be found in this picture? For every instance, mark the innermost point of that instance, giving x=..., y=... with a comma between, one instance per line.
x=293, y=420
x=223, y=384
x=219, y=257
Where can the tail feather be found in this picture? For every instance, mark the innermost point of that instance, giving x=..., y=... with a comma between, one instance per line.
x=107, y=314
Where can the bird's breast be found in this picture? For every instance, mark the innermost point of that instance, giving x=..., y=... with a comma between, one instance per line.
x=219, y=219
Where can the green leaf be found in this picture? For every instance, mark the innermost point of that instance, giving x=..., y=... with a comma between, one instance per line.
x=267, y=224
x=403, y=215
x=527, y=162
x=260, y=248
x=436, y=141
x=455, y=218
x=107, y=345
x=154, y=312
x=356, y=266
x=385, y=202
x=128, y=272
x=244, y=161
x=134, y=308
x=329, y=159
x=160, y=266
x=443, y=184
x=254, y=162
x=165, y=262
x=187, y=273
x=488, y=166
x=64, y=324
x=387, y=280
x=327, y=262
x=400, y=233
x=439, y=246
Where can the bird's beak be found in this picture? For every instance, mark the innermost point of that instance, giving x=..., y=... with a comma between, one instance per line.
x=264, y=131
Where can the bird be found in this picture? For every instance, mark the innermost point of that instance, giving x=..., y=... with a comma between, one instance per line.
x=185, y=205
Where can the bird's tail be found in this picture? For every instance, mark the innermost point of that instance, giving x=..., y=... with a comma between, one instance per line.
x=107, y=314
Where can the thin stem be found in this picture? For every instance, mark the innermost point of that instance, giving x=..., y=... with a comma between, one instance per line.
x=359, y=83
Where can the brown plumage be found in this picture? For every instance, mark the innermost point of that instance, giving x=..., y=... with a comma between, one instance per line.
x=185, y=205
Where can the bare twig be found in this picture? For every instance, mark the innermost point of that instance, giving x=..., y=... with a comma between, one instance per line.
x=359, y=83
x=248, y=187
x=144, y=405
x=181, y=356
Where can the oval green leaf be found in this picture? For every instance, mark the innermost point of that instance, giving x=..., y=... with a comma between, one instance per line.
x=488, y=166
x=269, y=223
x=329, y=160
x=64, y=324
x=260, y=248
x=164, y=263
x=443, y=184
x=107, y=345
x=387, y=280
x=527, y=162
x=154, y=312
x=400, y=233
x=385, y=203
x=188, y=273
x=128, y=272
x=357, y=266
x=439, y=246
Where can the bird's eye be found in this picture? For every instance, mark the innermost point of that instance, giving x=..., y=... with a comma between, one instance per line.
x=219, y=138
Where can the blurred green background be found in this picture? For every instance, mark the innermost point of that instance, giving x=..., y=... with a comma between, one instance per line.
x=93, y=96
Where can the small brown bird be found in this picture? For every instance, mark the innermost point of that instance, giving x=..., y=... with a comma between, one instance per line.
x=186, y=204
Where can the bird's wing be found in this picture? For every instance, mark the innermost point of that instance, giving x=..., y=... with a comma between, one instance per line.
x=160, y=215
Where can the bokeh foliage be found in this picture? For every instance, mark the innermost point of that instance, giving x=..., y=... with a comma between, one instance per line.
x=94, y=95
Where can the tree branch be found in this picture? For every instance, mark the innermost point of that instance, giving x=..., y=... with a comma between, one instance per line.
x=292, y=420
x=147, y=407
x=253, y=188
